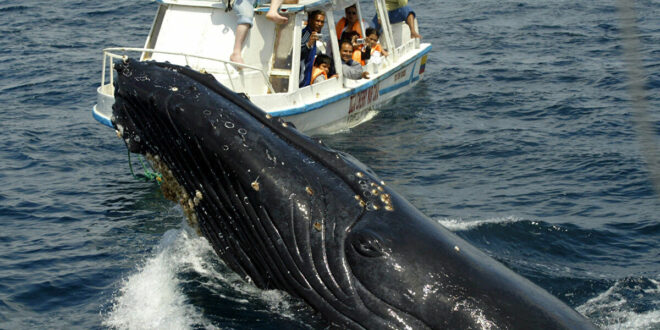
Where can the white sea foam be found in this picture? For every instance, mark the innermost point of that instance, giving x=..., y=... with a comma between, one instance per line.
x=632, y=320
x=611, y=309
x=460, y=224
x=151, y=298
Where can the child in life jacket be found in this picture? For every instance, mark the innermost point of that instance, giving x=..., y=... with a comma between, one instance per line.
x=372, y=40
x=321, y=68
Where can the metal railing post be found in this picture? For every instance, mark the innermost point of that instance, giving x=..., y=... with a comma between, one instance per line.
x=231, y=80
x=386, y=27
x=112, y=72
x=105, y=56
x=359, y=12
x=268, y=84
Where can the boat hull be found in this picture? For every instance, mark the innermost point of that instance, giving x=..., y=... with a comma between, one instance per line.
x=359, y=104
x=339, y=109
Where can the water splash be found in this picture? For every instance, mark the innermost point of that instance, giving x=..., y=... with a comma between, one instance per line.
x=461, y=225
x=157, y=296
x=152, y=298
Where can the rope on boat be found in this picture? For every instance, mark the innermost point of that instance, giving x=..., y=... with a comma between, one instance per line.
x=149, y=174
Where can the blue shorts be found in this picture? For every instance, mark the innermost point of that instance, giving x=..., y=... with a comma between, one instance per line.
x=400, y=14
x=245, y=11
x=395, y=16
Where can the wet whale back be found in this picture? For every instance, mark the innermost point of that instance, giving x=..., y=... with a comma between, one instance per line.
x=260, y=199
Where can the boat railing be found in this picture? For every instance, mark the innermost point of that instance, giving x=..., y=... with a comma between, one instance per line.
x=406, y=48
x=109, y=54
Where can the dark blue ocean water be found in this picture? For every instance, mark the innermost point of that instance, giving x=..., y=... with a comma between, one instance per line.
x=520, y=139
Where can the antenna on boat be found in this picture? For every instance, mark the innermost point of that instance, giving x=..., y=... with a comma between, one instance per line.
x=642, y=120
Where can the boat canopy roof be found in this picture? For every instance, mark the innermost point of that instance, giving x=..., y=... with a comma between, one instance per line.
x=302, y=5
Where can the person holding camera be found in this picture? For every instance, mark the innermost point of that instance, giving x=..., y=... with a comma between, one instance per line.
x=310, y=34
x=350, y=68
x=361, y=50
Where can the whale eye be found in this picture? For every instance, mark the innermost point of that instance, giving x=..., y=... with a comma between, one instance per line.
x=368, y=245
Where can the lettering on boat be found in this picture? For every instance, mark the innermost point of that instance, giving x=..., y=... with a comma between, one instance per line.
x=400, y=75
x=363, y=98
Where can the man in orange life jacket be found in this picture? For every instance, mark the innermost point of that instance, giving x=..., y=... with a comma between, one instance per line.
x=310, y=34
x=349, y=22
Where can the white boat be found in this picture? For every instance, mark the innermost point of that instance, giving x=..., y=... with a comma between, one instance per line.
x=200, y=34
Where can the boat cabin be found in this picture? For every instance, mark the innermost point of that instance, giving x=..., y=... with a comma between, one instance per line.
x=201, y=34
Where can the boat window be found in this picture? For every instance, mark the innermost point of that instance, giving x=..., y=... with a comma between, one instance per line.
x=282, y=56
x=283, y=51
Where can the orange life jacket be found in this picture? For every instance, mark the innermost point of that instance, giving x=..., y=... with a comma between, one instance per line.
x=377, y=48
x=357, y=57
x=317, y=72
x=342, y=24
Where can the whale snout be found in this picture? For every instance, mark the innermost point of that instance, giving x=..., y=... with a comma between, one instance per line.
x=420, y=271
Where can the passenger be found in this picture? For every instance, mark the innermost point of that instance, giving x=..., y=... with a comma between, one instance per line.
x=310, y=34
x=399, y=11
x=372, y=40
x=321, y=70
x=360, y=53
x=351, y=69
x=245, y=12
x=349, y=23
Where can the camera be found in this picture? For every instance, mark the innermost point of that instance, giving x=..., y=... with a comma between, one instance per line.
x=359, y=41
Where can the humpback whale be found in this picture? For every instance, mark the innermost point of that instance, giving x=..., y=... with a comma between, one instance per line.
x=287, y=212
